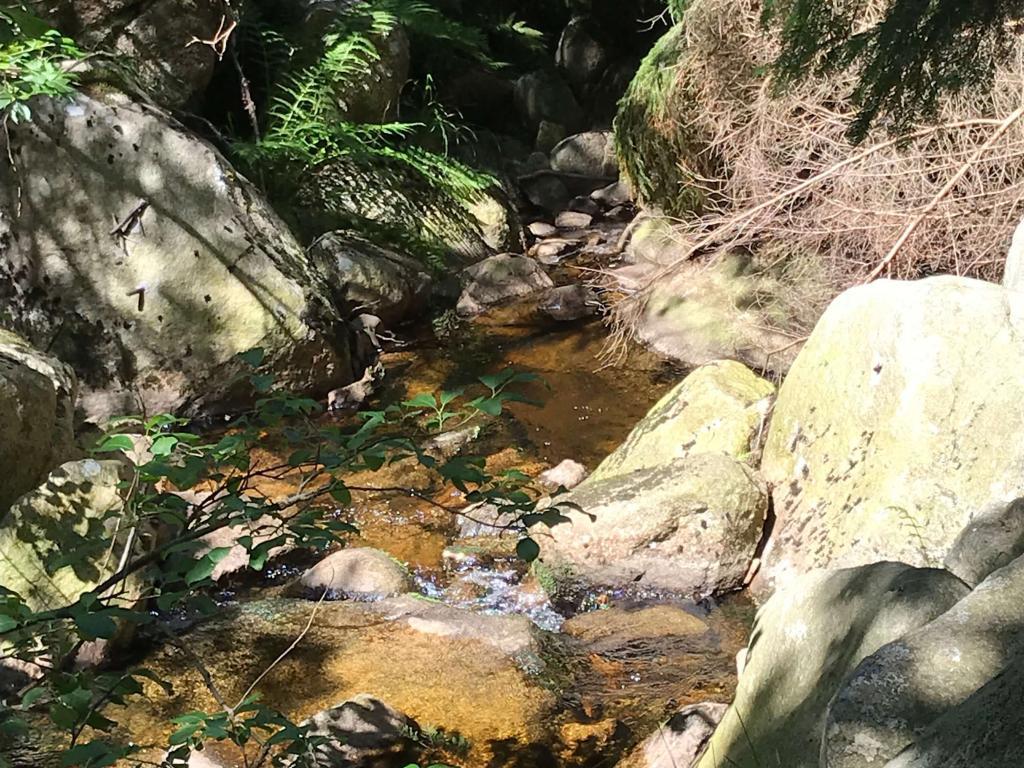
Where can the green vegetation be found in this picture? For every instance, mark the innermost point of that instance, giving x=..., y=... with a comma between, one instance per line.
x=33, y=62
x=149, y=562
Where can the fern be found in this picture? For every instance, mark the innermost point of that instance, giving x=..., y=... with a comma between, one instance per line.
x=307, y=135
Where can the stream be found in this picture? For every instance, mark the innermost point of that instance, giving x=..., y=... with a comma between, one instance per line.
x=577, y=684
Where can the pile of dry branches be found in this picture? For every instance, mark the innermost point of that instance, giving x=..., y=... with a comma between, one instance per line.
x=790, y=186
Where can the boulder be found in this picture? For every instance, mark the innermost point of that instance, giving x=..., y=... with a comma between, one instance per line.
x=499, y=279
x=548, y=136
x=260, y=531
x=689, y=526
x=570, y=302
x=991, y=540
x=361, y=733
x=615, y=194
x=582, y=58
x=136, y=254
x=894, y=694
x=547, y=192
x=721, y=407
x=546, y=96
x=589, y=154
x=358, y=572
x=806, y=640
x=156, y=37
x=983, y=732
x=37, y=409
x=880, y=445
x=680, y=741
x=61, y=540
x=585, y=205
x=542, y=229
x=702, y=311
x=373, y=96
x=367, y=277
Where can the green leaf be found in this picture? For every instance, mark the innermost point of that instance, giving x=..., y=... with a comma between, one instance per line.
x=7, y=623
x=448, y=396
x=115, y=443
x=490, y=405
x=342, y=495
x=262, y=382
x=92, y=625
x=253, y=357
x=205, y=565
x=527, y=550
x=423, y=400
x=163, y=445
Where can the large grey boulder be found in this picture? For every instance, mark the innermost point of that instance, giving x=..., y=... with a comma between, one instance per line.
x=161, y=39
x=499, y=279
x=991, y=540
x=582, y=58
x=37, y=409
x=806, y=640
x=134, y=252
x=983, y=732
x=881, y=443
x=895, y=693
x=721, y=407
x=369, y=278
x=690, y=526
x=589, y=154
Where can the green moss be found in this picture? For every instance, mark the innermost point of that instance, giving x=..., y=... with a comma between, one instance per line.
x=658, y=148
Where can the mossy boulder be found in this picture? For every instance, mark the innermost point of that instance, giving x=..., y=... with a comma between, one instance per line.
x=806, y=639
x=135, y=252
x=661, y=151
x=37, y=408
x=899, y=422
x=689, y=526
x=721, y=407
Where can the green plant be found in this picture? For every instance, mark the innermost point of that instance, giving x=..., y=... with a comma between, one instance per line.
x=147, y=559
x=33, y=62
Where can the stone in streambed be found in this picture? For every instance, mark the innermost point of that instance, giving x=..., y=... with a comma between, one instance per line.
x=499, y=279
x=573, y=220
x=542, y=229
x=357, y=572
x=569, y=303
x=680, y=741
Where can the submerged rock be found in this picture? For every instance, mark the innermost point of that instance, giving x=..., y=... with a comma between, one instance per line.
x=357, y=572
x=882, y=441
x=895, y=693
x=721, y=407
x=499, y=279
x=363, y=732
x=806, y=640
x=141, y=258
x=569, y=303
x=689, y=526
x=37, y=410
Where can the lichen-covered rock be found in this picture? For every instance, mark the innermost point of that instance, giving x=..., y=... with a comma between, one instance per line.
x=363, y=731
x=895, y=693
x=806, y=639
x=60, y=540
x=37, y=409
x=993, y=539
x=721, y=407
x=367, y=277
x=982, y=732
x=690, y=526
x=882, y=442
x=499, y=279
x=135, y=253
x=357, y=572
x=160, y=38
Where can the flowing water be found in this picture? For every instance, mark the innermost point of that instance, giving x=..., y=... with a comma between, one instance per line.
x=589, y=680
